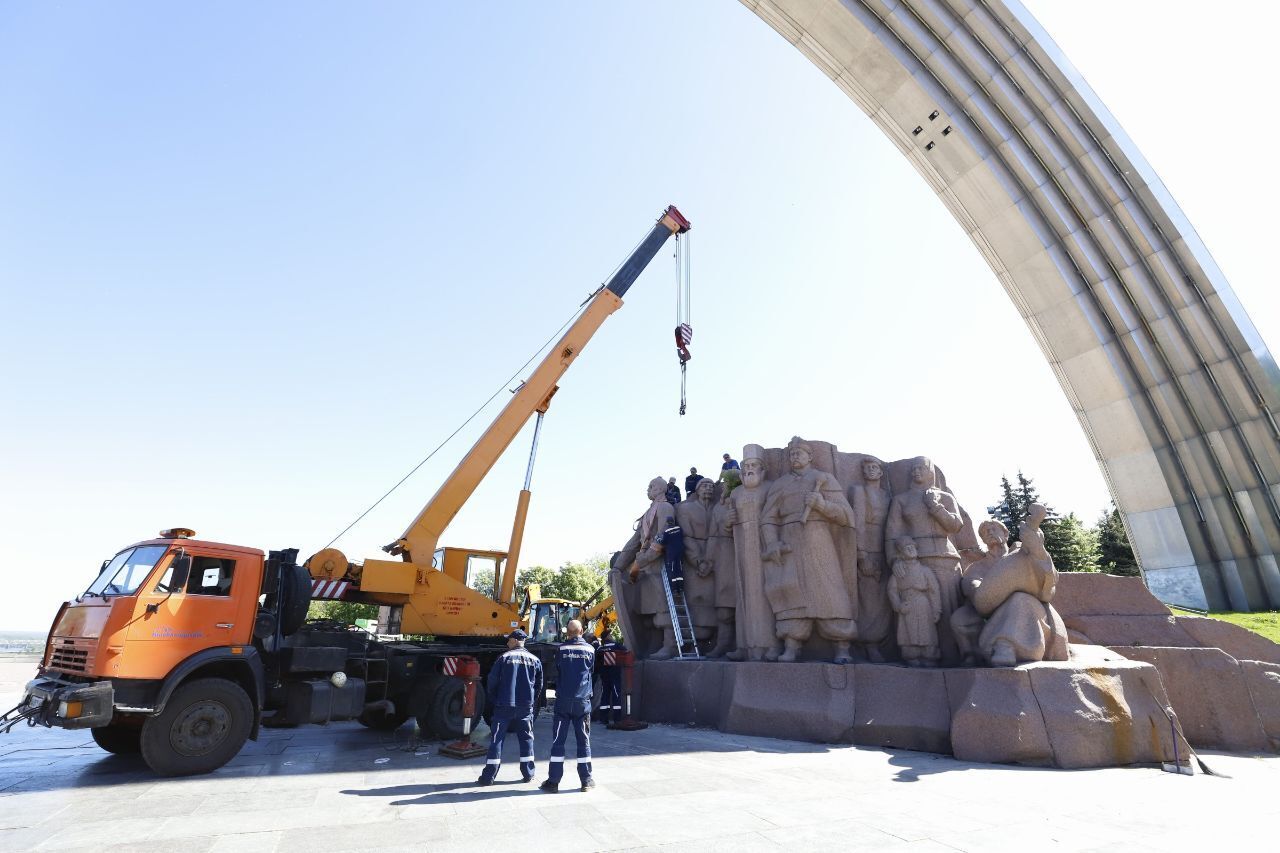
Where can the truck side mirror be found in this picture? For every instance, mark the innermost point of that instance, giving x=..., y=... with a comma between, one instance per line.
x=181, y=572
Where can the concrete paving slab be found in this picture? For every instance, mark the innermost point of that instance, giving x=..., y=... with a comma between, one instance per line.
x=666, y=788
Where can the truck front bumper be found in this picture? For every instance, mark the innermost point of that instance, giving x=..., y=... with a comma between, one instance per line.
x=69, y=705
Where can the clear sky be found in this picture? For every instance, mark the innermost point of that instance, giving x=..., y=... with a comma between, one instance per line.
x=257, y=259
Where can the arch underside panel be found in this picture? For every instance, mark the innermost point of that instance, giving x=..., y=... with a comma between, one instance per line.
x=1175, y=390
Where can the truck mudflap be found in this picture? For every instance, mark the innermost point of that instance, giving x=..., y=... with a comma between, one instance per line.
x=49, y=702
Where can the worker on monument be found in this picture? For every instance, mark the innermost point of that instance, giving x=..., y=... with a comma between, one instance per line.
x=673, y=492
x=575, y=662
x=811, y=575
x=514, y=685
x=691, y=482
x=672, y=542
x=610, y=670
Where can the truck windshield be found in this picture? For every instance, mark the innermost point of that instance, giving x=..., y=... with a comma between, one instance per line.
x=127, y=570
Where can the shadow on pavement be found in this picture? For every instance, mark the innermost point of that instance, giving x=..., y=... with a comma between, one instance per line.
x=435, y=794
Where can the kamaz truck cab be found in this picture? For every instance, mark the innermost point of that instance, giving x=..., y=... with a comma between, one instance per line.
x=159, y=654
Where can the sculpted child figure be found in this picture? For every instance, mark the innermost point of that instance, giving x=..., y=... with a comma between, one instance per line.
x=810, y=556
x=757, y=639
x=916, y=598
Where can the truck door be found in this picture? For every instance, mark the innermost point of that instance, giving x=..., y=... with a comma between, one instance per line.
x=170, y=625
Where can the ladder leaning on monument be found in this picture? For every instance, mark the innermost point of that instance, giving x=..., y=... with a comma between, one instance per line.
x=681, y=621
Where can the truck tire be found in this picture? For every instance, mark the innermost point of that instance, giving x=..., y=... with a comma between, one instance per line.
x=297, y=598
x=202, y=727
x=118, y=739
x=443, y=716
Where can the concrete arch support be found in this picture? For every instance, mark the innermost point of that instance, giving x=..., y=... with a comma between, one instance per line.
x=1177, y=393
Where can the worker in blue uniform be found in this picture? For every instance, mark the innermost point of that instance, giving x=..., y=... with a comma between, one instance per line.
x=610, y=710
x=672, y=541
x=514, y=685
x=575, y=661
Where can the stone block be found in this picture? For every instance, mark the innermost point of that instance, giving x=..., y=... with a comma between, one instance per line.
x=995, y=717
x=1263, y=681
x=682, y=691
x=1210, y=696
x=801, y=701
x=1102, y=716
x=1241, y=643
x=1095, y=594
x=902, y=707
x=1130, y=630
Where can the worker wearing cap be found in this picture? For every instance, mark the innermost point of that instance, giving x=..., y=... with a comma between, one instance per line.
x=574, y=664
x=514, y=685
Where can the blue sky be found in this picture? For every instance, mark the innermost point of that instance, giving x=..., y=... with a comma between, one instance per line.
x=257, y=259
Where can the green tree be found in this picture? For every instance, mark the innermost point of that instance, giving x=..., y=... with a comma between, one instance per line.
x=346, y=612
x=578, y=581
x=1073, y=546
x=1115, y=555
x=482, y=581
x=573, y=581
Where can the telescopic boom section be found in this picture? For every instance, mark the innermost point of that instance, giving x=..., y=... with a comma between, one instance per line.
x=421, y=538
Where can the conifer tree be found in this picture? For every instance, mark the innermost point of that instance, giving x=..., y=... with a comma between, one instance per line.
x=1073, y=546
x=1115, y=555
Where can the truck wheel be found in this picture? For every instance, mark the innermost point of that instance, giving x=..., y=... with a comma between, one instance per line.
x=202, y=727
x=118, y=739
x=444, y=715
x=297, y=598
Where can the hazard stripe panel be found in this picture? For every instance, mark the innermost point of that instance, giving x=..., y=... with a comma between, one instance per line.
x=332, y=590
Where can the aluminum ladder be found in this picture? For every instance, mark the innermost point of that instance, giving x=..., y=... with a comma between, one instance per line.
x=681, y=621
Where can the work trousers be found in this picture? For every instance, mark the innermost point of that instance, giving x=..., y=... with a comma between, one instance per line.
x=610, y=710
x=581, y=725
x=503, y=724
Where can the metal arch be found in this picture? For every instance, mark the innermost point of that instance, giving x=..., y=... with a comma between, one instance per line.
x=1174, y=388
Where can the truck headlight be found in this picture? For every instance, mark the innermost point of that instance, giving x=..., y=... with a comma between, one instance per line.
x=70, y=710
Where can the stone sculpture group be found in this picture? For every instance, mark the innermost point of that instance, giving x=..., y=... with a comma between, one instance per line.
x=824, y=555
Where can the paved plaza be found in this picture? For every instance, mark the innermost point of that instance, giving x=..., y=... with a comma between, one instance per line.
x=342, y=787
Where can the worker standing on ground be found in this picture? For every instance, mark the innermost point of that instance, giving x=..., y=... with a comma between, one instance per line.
x=514, y=685
x=610, y=710
x=575, y=662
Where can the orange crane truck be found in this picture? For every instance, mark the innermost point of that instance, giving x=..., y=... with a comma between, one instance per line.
x=182, y=648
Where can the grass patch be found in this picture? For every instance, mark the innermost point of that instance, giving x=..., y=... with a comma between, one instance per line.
x=1266, y=623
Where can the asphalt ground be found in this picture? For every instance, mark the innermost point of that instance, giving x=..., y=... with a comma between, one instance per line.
x=342, y=787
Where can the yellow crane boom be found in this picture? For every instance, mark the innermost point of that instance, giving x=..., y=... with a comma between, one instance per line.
x=434, y=592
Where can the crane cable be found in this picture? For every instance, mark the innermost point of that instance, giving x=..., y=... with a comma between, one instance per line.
x=470, y=418
x=684, y=312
